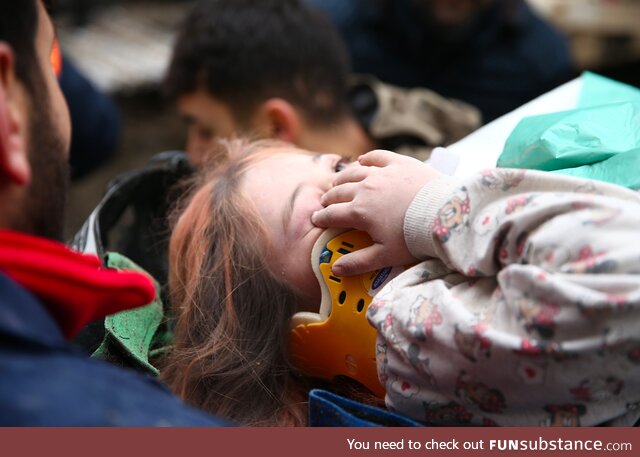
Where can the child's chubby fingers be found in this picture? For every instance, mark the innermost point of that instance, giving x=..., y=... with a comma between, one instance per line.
x=381, y=159
x=377, y=158
x=353, y=173
x=339, y=194
x=358, y=262
x=337, y=215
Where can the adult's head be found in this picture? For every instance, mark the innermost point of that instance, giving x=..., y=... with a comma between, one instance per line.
x=34, y=123
x=452, y=13
x=269, y=68
x=453, y=21
x=240, y=267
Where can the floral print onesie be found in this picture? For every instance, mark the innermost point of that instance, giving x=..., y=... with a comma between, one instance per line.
x=525, y=309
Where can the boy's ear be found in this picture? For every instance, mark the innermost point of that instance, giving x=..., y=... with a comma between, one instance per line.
x=280, y=120
x=14, y=157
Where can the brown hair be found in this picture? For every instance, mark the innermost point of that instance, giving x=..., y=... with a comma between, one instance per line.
x=231, y=313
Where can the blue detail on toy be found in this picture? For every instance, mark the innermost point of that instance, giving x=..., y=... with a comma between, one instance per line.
x=326, y=255
x=380, y=278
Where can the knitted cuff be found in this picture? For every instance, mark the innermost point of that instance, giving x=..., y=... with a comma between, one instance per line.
x=418, y=221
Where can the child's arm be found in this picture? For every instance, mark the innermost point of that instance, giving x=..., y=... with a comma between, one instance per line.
x=540, y=324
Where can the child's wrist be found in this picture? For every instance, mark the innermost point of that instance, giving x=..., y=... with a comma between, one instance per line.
x=418, y=220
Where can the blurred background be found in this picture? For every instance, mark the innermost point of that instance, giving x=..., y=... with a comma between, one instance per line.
x=122, y=47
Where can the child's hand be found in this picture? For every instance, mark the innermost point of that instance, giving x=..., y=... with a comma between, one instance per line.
x=373, y=196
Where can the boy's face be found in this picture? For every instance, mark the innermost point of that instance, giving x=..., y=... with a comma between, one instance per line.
x=207, y=119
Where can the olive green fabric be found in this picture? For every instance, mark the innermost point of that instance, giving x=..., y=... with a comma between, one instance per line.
x=134, y=336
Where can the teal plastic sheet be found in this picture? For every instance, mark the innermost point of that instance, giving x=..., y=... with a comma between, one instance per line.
x=598, y=90
x=596, y=141
x=621, y=169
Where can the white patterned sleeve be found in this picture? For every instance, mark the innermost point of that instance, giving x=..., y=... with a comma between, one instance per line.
x=526, y=308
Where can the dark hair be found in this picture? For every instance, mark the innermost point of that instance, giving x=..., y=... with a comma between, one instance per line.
x=18, y=28
x=245, y=51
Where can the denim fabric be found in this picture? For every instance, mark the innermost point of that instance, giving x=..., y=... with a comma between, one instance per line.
x=327, y=409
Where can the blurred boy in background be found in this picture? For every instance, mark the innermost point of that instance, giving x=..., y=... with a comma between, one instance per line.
x=279, y=69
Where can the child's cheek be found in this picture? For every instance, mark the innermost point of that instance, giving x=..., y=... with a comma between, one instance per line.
x=301, y=219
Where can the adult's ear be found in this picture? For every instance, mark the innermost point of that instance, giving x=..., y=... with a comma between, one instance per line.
x=14, y=157
x=280, y=120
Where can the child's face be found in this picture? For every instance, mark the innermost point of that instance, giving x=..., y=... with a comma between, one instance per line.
x=286, y=187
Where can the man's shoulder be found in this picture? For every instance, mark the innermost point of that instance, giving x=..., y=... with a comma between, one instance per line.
x=43, y=386
x=542, y=51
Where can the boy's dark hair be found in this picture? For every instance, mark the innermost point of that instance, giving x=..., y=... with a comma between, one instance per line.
x=18, y=28
x=246, y=51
